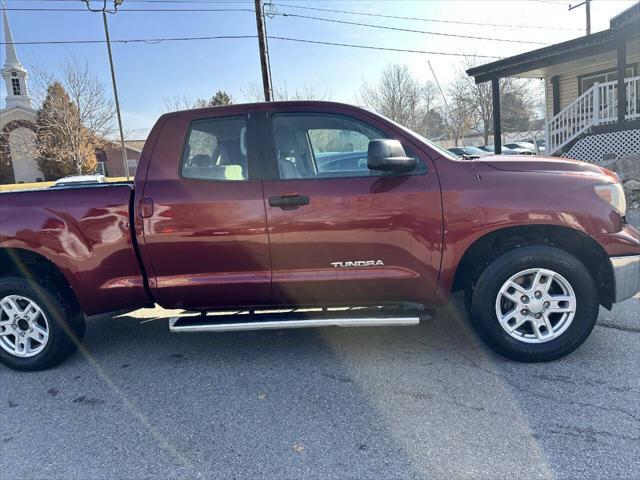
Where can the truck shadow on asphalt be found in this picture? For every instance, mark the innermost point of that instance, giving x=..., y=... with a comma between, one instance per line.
x=386, y=402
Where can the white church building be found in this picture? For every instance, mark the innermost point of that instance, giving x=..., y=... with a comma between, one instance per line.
x=17, y=120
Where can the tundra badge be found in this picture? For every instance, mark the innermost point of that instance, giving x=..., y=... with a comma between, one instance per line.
x=358, y=263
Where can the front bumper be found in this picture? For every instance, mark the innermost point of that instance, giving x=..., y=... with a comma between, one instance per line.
x=626, y=273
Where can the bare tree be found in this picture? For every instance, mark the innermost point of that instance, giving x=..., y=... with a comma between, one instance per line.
x=64, y=145
x=178, y=102
x=516, y=100
x=254, y=93
x=182, y=102
x=404, y=99
x=95, y=108
x=397, y=95
x=40, y=81
x=457, y=119
x=433, y=121
x=75, y=119
x=430, y=96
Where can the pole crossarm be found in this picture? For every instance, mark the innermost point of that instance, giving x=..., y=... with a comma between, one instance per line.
x=587, y=5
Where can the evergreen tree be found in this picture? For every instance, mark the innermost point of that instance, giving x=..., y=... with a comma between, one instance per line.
x=65, y=146
x=220, y=98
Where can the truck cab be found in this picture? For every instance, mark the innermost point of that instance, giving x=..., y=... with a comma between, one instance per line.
x=277, y=206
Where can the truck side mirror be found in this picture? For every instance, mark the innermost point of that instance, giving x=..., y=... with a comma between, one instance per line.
x=388, y=155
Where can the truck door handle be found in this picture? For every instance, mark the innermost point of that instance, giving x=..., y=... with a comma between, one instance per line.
x=146, y=207
x=289, y=201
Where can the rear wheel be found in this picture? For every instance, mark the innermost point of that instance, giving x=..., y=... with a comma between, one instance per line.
x=534, y=304
x=38, y=328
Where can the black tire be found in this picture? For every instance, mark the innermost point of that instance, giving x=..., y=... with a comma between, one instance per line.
x=66, y=325
x=483, y=303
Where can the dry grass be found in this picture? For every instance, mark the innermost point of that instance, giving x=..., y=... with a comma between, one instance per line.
x=12, y=187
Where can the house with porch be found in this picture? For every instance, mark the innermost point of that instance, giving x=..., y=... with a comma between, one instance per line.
x=592, y=90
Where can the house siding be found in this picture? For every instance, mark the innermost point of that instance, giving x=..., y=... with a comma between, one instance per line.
x=111, y=155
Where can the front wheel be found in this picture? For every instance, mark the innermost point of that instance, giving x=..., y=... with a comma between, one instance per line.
x=38, y=328
x=534, y=304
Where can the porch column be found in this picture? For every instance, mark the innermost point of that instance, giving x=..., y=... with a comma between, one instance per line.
x=497, y=131
x=621, y=47
x=555, y=93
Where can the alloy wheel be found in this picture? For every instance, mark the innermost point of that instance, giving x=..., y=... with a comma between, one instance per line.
x=536, y=305
x=24, y=328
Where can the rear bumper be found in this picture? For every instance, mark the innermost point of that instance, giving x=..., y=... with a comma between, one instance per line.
x=626, y=274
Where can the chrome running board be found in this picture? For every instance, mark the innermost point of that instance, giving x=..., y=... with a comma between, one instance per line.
x=269, y=320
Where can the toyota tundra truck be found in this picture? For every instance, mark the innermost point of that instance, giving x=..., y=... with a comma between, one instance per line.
x=296, y=214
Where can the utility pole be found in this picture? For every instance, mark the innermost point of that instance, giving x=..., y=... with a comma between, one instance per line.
x=587, y=5
x=116, y=4
x=264, y=52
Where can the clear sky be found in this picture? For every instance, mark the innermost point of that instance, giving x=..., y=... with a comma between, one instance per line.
x=148, y=73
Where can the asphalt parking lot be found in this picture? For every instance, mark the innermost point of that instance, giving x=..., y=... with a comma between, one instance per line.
x=412, y=402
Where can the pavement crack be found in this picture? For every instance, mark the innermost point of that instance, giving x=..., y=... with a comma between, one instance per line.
x=622, y=328
x=83, y=400
x=587, y=433
x=414, y=395
x=338, y=378
x=538, y=394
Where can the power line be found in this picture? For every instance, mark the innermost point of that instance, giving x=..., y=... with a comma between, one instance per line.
x=132, y=40
x=183, y=1
x=349, y=12
x=388, y=49
x=235, y=37
x=157, y=1
x=551, y=2
x=286, y=14
x=44, y=9
x=293, y=15
x=423, y=19
x=399, y=29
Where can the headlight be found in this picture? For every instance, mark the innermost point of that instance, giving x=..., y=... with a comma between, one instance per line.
x=613, y=194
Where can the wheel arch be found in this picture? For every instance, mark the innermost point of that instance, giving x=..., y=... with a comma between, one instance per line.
x=37, y=268
x=493, y=244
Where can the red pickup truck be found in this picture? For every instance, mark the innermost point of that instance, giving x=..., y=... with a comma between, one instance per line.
x=311, y=214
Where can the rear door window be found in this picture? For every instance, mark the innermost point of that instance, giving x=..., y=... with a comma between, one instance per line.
x=216, y=149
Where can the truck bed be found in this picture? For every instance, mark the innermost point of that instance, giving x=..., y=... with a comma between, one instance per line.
x=86, y=232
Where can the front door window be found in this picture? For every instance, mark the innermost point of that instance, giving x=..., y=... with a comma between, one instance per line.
x=315, y=145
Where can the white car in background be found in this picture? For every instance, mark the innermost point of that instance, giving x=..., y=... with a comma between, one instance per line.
x=78, y=180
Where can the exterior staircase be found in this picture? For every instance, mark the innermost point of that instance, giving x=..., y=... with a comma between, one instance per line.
x=596, y=106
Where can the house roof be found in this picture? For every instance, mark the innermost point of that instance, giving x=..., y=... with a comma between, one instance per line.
x=627, y=22
x=134, y=144
x=626, y=16
x=129, y=145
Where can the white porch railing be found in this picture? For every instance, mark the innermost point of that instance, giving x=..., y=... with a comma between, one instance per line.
x=632, y=86
x=596, y=106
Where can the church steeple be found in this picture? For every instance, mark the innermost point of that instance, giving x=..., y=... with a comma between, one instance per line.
x=14, y=74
